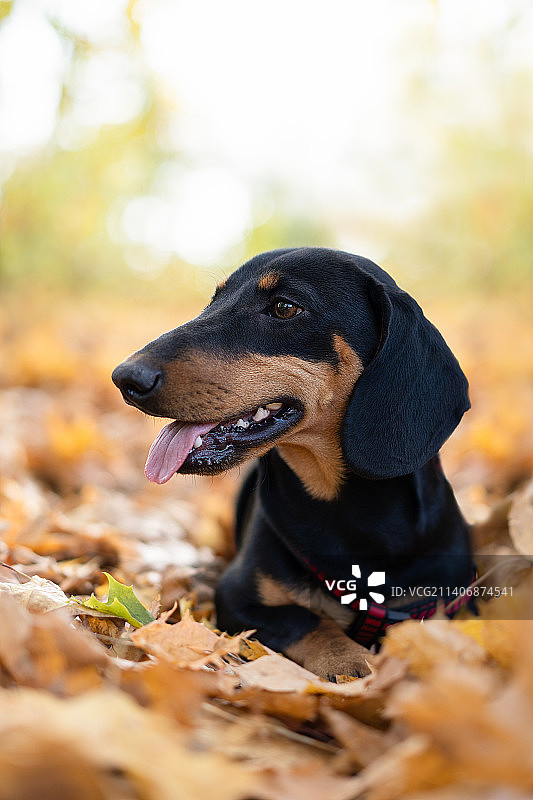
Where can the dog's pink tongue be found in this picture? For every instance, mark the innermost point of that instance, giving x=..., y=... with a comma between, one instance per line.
x=170, y=449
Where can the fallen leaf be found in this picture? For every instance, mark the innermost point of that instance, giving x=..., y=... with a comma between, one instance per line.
x=361, y=743
x=121, y=602
x=103, y=745
x=403, y=771
x=36, y=594
x=47, y=651
x=187, y=643
x=176, y=693
x=308, y=781
x=273, y=684
x=251, y=649
x=494, y=636
x=275, y=673
x=479, y=726
x=424, y=645
x=284, y=704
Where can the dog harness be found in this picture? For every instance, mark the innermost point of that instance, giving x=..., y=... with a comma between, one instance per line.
x=369, y=625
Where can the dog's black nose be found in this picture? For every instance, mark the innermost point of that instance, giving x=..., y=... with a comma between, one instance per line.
x=136, y=380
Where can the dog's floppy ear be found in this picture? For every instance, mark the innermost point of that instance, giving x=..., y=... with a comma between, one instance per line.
x=409, y=398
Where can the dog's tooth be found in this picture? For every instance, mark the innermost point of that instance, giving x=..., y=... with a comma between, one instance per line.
x=274, y=406
x=197, y=442
x=241, y=423
x=260, y=414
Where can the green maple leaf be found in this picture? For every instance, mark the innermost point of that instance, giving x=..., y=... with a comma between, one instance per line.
x=121, y=602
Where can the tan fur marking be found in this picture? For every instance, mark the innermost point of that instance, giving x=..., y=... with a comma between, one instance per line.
x=221, y=284
x=313, y=449
x=271, y=592
x=205, y=388
x=269, y=280
x=274, y=593
x=327, y=651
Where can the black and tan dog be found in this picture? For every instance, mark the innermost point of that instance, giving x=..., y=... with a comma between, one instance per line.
x=316, y=362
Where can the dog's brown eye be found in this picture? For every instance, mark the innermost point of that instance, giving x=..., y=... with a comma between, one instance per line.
x=284, y=310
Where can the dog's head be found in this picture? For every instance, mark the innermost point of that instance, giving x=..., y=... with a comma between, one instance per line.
x=314, y=351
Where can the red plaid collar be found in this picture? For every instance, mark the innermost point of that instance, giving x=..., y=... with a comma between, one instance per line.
x=369, y=626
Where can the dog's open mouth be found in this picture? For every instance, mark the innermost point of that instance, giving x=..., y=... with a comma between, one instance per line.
x=208, y=448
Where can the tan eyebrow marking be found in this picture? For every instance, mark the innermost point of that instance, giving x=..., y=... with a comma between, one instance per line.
x=269, y=280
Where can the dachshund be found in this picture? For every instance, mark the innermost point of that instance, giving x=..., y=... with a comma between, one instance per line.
x=316, y=364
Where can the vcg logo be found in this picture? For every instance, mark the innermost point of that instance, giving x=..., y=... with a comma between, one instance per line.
x=339, y=587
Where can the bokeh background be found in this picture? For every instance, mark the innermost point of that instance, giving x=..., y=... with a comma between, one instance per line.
x=147, y=147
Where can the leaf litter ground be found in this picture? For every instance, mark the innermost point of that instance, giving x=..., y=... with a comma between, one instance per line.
x=92, y=706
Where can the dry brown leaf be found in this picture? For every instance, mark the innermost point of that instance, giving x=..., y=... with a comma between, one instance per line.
x=276, y=673
x=47, y=651
x=259, y=740
x=494, y=636
x=103, y=745
x=187, y=643
x=309, y=781
x=73, y=576
x=411, y=766
x=428, y=644
x=275, y=685
x=286, y=704
x=54, y=536
x=469, y=727
x=36, y=594
x=252, y=649
x=114, y=634
x=480, y=726
x=177, y=693
x=362, y=744
x=106, y=628
x=389, y=670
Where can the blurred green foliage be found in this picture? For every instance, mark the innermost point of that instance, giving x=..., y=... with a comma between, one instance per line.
x=56, y=211
x=5, y=8
x=55, y=208
x=59, y=208
x=478, y=233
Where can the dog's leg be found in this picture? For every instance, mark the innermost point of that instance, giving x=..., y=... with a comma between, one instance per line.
x=244, y=602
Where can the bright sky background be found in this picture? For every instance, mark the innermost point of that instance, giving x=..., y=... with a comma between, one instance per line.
x=314, y=98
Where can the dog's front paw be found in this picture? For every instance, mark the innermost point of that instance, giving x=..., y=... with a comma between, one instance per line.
x=353, y=662
x=356, y=668
x=328, y=652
